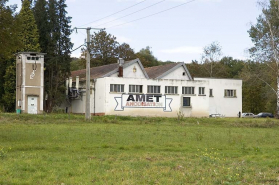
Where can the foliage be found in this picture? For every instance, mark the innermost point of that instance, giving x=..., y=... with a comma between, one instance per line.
x=147, y=58
x=9, y=96
x=265, y=36
x=9, y=40
x=126, y=52
x=55, y=40
x=103, y=48
x=53, y=149
x=28, y=30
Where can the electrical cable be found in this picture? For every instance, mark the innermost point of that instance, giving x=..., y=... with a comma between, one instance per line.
x=153, y=14
x=113, y=13
x=132, y=13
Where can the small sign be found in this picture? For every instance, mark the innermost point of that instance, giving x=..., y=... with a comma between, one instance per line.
x=143, y=101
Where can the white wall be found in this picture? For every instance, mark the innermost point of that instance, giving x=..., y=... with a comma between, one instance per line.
x=201, y=106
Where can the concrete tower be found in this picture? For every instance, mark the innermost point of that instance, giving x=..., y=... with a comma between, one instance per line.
x=30, y=82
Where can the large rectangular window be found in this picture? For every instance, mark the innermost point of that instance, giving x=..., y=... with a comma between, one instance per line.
x=186, y=101
x=116, y=87
x=230, y=93
x=135, y=88
x=171, y=90
x=188, y=90
x=201, y=91
x=153, y=89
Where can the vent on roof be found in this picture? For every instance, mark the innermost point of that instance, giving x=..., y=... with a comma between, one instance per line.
x=183, y=73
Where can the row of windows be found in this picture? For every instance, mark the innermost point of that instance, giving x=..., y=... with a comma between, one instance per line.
x=155, y=89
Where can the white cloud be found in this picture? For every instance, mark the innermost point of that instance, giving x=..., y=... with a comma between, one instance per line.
x=184, y=50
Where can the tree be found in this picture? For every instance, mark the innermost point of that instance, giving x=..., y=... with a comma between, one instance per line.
x=147, y=58
x=42, y=20
x=126, y=52
x=28, y=30
x=9, y=40
x=9, y=44
x=54, y=30
x=210, y=59
x=265, y=36
x=103, y=48
x=58, y=48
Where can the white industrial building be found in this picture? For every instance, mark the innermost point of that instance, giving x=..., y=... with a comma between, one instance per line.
x=126, y=88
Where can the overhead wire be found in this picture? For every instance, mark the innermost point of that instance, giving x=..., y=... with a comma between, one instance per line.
x=114, y=13
x=152, y=14
x=132, y=13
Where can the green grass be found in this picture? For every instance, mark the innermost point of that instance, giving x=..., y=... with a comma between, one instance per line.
x=64, y=149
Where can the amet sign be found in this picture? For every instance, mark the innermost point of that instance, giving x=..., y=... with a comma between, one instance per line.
x=143, y=101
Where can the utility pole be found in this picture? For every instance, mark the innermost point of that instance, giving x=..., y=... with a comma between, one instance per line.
x=87, y=106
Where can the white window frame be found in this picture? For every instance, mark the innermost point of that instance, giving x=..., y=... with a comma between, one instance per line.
x=135, y=88
x=202, y=91
x=171, y=89
x=188, y=90
x=153, y=89
x=230, y=93
x=117, y=88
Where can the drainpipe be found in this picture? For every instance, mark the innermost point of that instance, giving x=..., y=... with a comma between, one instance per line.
x=77, y=82
x=94, y=81
x=67, y=86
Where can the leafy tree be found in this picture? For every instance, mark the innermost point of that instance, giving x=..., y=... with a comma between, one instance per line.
x=126, y=52
x=9, y=40
x=103, y=48
x=265, y=36
x=9, y=96
x=42, y=20
x=28, y=30
x=147, y=58
x=58, y=48
x=210, y=59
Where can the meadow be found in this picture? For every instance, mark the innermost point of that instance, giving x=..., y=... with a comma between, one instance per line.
x=64, y=149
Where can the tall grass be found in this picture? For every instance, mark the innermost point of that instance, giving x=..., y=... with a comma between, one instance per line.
x=64, y=149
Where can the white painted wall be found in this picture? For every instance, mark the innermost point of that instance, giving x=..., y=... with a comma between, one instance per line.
x=177, y=74
x=201, y=106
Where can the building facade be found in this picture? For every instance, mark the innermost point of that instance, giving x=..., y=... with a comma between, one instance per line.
x=126, y=88
x=30, y=82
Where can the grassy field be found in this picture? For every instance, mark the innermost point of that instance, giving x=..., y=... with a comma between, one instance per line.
x=64, y=149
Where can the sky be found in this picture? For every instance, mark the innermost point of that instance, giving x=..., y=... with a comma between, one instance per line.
x=176, y=30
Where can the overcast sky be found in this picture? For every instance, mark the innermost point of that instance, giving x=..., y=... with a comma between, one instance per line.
x=178, y=34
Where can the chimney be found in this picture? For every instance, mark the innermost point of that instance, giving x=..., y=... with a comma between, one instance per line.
x=120, y=69
x=77, y=82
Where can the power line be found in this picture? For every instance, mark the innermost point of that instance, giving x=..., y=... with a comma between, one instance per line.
x=114, y=13
x=77, y=48
x=153, y=14
x=132, y=13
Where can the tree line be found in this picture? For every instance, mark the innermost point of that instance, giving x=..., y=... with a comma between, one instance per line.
x=43, y=26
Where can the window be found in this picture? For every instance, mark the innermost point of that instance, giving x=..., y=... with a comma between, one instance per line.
x=188, y=90
x=135, y=88
x=201, y=91
x=171, y=90
x=153, y=89
x=116, y=88
x=186, y=101
x=230, y=93
x=210, y=92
